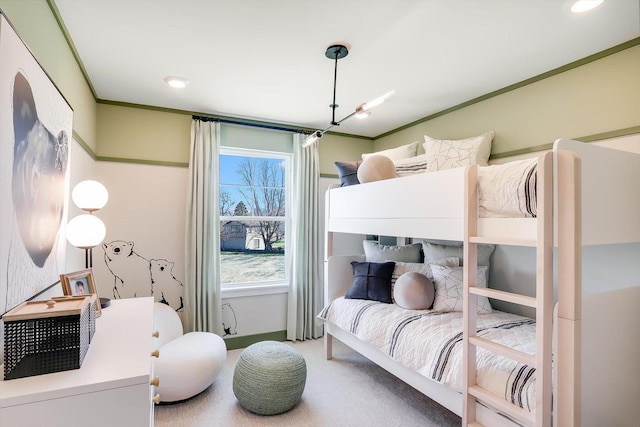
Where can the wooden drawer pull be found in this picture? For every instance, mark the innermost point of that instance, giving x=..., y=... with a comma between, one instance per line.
x=156, y=334
x=155, y=382
x=156, y=398
x=155, y=353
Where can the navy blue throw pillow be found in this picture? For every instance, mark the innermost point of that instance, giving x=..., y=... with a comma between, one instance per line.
x=371, y=281
x=348, y=173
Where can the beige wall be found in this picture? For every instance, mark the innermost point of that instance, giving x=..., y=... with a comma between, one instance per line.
x=38, y=28
x=601, y=96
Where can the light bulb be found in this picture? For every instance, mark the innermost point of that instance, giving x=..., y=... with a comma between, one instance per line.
x=90, y=195
x=585, y=5
x=379, y=100
x=176, y=82
x=86, y=231
x=312, y=138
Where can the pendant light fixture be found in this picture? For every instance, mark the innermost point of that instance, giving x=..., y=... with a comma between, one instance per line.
x=335, y=52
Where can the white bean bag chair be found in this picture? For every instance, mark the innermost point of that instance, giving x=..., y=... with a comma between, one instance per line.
x=188, y=363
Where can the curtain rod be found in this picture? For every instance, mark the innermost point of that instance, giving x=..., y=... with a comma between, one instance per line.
x=253, y=124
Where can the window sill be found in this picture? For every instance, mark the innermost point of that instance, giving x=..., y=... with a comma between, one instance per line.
x=253, y=290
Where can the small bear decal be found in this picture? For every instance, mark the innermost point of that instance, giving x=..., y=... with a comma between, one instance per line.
x=165, y=287
x=229, y=322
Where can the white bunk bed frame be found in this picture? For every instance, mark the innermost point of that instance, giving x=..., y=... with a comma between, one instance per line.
x=574, y=209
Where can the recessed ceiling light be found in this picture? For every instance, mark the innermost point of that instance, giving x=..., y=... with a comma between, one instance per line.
x=176, y=82
x=585, y=5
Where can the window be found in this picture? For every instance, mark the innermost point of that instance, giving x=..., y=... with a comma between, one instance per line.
x=254, y=218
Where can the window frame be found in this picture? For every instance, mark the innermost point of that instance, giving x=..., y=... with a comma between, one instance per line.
x=229, y=290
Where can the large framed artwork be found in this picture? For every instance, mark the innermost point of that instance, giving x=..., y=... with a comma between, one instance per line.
x=35, y=132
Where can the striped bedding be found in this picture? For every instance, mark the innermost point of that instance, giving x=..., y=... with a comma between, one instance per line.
x=431, y=343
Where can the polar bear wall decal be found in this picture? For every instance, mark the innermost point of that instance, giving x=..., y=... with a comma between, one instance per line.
x=229, y=321
x=137, y=276
x=131, y=272
x=165, y=287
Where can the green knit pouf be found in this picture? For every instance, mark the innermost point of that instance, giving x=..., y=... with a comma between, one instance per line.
x=269, y=378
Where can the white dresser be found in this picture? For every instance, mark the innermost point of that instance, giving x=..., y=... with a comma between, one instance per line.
x=112, y=388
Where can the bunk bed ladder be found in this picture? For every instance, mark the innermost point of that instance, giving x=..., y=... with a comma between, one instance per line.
x=542, y=302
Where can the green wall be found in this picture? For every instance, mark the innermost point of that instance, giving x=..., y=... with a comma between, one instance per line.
x=599, y=97
x=37, y=26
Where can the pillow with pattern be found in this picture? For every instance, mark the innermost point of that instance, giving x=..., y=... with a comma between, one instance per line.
x=449, y=289
x=447, y=154
x=411, y=165
x=418, y=267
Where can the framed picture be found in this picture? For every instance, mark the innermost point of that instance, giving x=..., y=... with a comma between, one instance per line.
x=35, y=132
x=80, y=283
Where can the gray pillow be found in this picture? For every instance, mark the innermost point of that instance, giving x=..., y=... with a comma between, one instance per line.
x=434, y=252
x=348, y=172
x=414, y=291
x=375, y=252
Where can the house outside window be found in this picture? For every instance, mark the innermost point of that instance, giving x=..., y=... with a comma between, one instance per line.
x=254, y=220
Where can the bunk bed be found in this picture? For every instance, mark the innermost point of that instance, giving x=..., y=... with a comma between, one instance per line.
x=586, y=195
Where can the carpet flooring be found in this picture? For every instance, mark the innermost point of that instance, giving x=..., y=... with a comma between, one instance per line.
x=347, y=391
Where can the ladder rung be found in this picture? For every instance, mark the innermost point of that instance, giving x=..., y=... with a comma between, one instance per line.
x=509, y=241
x=503, y=350
x=504, y=296
x=523, y=417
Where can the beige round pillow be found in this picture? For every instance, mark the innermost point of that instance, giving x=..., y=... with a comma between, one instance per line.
x=376, y=168
x=414, y=291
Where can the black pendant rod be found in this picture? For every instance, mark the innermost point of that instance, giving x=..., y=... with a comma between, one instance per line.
x=335, y=52
x=335, y=80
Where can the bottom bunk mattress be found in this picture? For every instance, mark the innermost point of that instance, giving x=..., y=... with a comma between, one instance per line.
x=430, y=343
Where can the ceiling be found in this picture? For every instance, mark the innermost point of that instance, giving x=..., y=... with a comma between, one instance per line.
x=265, y=60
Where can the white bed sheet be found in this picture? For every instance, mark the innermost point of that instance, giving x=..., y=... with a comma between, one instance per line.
x=431, y=344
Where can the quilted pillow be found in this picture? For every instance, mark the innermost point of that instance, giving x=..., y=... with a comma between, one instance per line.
x=414, y=291
x=371, y=281
x=375, y=252
x=449, y=289
x=447, y=154
x=402, y=152
x=348, y=172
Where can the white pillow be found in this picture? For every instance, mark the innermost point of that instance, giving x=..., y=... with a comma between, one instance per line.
x=449, y=289
x=411, y=165
x=376, y=168
x=397, y=153
x=414, y=291
x=447, y=154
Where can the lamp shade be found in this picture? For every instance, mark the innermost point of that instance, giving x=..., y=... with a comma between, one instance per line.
x=86, y=231
x=90, y=195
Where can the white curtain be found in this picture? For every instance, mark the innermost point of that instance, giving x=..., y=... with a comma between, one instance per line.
x=202, y=262
x=305, y=289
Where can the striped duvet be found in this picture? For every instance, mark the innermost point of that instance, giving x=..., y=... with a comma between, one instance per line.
x=431, y=343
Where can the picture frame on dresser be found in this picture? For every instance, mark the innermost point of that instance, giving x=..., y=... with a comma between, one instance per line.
x=80, y=283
